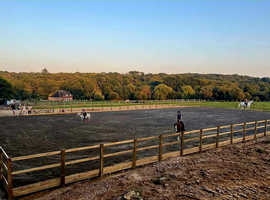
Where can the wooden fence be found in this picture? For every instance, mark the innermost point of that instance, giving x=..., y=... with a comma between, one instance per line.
x=105, y=108
x=204, y=139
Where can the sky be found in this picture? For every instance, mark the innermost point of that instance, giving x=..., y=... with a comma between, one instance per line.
x=151, y=36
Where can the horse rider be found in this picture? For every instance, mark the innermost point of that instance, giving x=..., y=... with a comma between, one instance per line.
x=246, y=102
x=179, y=126
x=29, y=109
x=179, y=123
x=84, y=113
x=13, y=108
x=179, y=116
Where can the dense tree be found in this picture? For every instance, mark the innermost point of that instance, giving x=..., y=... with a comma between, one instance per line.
x=206, y=92
x=98, y=96
x=162, y=91
x=113, y=96
x=137, y=85
x=144, y=93
x=237, y=94
x=187, y=92
x=6, y=90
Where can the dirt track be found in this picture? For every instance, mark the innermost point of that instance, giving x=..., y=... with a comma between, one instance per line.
x=234, y=172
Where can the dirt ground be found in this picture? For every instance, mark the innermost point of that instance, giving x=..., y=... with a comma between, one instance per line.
x=240, y=171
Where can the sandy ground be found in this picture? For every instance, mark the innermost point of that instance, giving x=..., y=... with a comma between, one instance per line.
x=240, y=171
x=5, y=113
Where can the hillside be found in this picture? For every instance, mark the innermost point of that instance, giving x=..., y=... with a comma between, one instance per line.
x=137, y=85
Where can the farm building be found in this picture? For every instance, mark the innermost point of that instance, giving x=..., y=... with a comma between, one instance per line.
x=61, y=95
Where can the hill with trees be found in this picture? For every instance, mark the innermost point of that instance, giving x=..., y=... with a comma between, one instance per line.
x=134, y=85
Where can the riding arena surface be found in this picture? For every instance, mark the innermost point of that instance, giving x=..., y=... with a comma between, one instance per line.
x=25, y=135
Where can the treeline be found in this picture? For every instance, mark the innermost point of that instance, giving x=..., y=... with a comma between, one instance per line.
x=134, y=85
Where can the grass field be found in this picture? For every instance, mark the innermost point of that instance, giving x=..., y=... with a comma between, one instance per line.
x=263, y=106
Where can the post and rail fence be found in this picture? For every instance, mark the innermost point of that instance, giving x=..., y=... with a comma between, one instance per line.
x=206, y=139
x=111, y=106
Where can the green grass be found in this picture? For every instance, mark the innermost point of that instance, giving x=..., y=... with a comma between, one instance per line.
x=216, y=104
x=263, y=106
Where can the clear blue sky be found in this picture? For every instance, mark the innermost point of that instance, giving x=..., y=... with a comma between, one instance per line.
x=170, y=36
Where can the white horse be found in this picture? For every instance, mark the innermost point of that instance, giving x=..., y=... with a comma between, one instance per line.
x=242, y=104
x=87, y=117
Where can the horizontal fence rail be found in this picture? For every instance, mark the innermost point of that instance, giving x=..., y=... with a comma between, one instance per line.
x=106, y=107
x=203, y=139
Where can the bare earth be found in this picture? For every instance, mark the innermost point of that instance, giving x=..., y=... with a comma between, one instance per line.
x=240, y=171
x=4, y=113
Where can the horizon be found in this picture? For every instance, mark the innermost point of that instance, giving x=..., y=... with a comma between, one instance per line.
x=172, y=37
x=145, y=73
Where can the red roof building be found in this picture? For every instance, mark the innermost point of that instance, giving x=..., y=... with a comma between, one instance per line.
x=61, y=95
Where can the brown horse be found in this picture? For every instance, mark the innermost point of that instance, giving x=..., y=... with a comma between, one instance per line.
x=179, y=126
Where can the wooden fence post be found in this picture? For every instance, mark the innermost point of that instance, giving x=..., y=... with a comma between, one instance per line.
x=217, y=137
x=231, y=134
x=10, y=181
x=63, y=167
x=1, y=164
x=182, y=144
x=265, y=127
x=255, y=130
x=244, y=132
x=134, y=153
x=160, y=148
x=201, y=132
x=101, y=159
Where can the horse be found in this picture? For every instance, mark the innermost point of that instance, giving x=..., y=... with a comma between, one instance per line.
x=179, y=127
x=87, y=117
x=243, y=104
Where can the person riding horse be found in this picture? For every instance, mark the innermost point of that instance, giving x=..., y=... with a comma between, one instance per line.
x=246, y=102
x=179, y=125
x=84, y=113
x=179, y=116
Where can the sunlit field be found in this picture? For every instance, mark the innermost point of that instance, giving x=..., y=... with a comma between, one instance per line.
x=263, y=106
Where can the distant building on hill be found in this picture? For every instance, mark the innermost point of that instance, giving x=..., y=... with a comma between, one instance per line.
x=61, y=95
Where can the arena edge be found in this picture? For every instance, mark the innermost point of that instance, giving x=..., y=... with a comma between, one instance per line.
x=259, y=129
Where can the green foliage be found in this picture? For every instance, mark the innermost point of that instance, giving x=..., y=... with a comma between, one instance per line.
x=144, y=93
x=98, y=96
x=136, y=85
x=206, y=92
x=6, y=90
x=188, y=92
x=162, y=91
